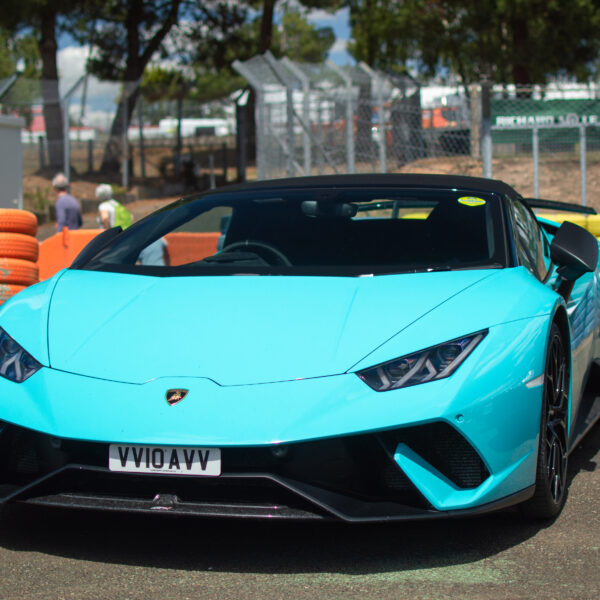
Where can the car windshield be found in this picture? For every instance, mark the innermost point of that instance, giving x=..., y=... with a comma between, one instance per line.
x=312, y=231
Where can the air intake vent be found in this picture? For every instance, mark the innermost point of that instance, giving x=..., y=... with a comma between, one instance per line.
x=444, y=449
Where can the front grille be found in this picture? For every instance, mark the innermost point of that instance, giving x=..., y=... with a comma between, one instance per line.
x=443, y=448
x=356, y=468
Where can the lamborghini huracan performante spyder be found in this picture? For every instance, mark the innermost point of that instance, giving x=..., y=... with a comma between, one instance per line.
x=361, y=348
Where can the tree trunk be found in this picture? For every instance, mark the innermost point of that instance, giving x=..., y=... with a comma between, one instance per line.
x=52, y=110
x=264, y=44
x=266, y=26
x=111, y=161
x=137, y=59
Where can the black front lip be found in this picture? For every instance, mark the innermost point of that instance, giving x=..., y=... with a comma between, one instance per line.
x=315, y=503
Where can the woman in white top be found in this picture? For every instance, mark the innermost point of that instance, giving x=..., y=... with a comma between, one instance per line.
x=106, y=209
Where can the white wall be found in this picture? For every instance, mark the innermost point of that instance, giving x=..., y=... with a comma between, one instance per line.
x=11, y=166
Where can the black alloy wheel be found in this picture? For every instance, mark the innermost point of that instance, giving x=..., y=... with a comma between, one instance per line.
x=551, y=477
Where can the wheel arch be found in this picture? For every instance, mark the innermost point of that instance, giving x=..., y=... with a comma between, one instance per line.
x=562, y=321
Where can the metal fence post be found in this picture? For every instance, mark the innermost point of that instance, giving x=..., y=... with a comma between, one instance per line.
x=305, y=110
x=65, y=101
x=319, y=134
x=42, y=152
x=377, y=79
x=124, y=158
x=536, y=161
x=583, y=163
x=261, y=161
x=291, y=142
x=350, y=146
x=141, y=137
x=486, y=128
x=211, y=169
x=66, y=138
x=382, y=127
x=90, y=153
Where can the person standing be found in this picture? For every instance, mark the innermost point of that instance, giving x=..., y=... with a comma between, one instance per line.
x=68, y=211
x=110, y=212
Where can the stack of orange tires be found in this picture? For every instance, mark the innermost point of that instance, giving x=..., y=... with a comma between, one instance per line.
x=19, y=250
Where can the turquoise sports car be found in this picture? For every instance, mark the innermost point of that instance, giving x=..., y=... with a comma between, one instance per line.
x=369, y=347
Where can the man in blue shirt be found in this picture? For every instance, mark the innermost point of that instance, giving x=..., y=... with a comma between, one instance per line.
x=68, y=212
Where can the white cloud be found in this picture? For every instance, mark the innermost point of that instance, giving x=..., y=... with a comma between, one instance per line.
x=338, y=20
x=339, y=46
x=100, y=95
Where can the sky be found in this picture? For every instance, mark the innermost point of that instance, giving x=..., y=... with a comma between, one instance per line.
x=339, y=22
x=101, y=95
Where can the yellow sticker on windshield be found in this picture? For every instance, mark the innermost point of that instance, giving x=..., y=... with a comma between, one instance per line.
x=471, y=201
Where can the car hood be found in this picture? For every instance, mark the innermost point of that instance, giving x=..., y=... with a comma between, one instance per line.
x=233, y=330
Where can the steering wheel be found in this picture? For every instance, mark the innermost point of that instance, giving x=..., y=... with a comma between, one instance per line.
x=246, y=244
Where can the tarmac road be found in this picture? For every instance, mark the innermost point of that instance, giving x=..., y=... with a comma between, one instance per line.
x=54, y=554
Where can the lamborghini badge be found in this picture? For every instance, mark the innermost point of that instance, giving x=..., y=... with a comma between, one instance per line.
x=175, y=396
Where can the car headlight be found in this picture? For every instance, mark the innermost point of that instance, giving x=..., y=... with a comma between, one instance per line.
x=16, y=363
x=426, y=365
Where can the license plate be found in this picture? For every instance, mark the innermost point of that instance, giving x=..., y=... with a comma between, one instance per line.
x=168, y=460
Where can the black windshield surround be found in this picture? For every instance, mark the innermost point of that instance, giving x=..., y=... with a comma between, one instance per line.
x=333, y=231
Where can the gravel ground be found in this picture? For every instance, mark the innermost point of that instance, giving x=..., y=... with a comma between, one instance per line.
x=55, y=554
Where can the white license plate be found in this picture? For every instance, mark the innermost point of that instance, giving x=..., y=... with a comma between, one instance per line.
x=169, y=460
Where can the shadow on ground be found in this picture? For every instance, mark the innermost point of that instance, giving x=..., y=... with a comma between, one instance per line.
x=169, y=542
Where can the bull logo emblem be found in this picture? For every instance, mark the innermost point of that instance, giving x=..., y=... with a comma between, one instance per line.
x=175, y=396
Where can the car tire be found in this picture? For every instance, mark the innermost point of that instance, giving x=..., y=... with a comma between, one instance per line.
x=551, y=474
x=18, y=272
x=8, y=290
x=13, y=220
x=19, y=245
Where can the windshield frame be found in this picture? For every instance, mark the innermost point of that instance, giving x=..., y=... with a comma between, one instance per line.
x=168, y=218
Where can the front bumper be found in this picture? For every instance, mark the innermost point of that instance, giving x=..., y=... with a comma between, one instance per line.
x=491, y=407
x=354, y=478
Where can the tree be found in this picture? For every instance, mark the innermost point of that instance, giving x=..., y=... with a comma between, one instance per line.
x=515, y=41
x=268, y=10
x=229, y=35
x=126, y=34
x=303, y=42
x=40, y=18
x=20, y=55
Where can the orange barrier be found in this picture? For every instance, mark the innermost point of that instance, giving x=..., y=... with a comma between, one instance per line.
x=59, y=251
x=185, y=247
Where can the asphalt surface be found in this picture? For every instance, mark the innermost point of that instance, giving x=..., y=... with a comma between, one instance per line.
x=56, y=554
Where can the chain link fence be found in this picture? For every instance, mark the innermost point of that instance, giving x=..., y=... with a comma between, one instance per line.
x=553, y=131
x=86, y=127
x=313, y=119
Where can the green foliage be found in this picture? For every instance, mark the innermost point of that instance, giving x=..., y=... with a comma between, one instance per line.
x=18, y=48
x=520, y=41
x=303, y=42
x=7, y=59
x=37, y=201
x=163, y=84
x=126, y=34
x=214, y=86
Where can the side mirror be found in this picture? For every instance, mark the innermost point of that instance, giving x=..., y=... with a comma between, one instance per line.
x=575, y=251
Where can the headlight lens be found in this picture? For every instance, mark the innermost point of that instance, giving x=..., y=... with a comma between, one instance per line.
x=16, y=363
x=430, y=364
